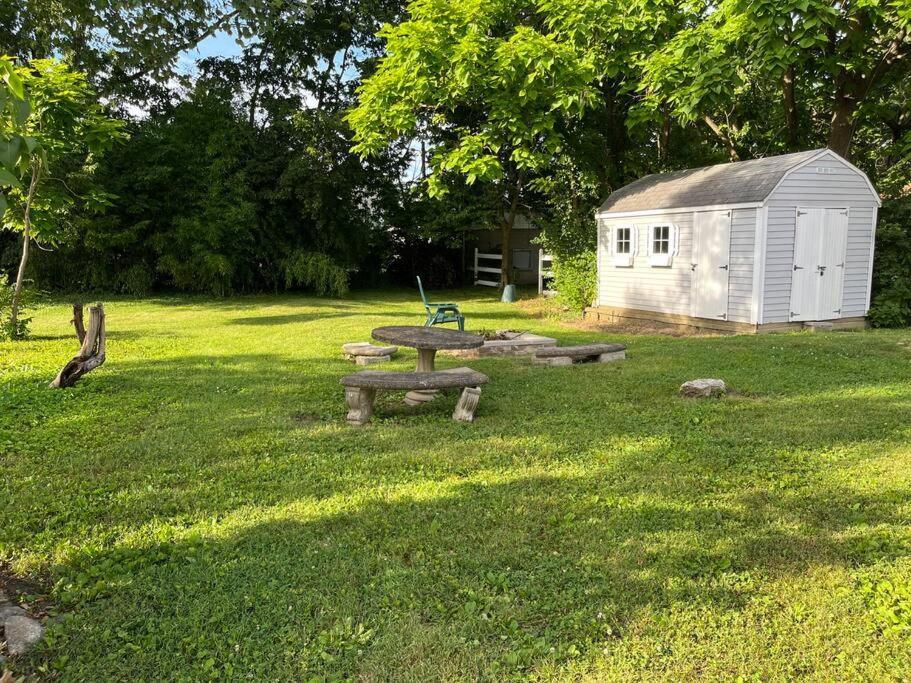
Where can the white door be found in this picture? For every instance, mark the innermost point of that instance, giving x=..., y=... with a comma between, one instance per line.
x=832, y=263
x=711, y=264
x=819, y=264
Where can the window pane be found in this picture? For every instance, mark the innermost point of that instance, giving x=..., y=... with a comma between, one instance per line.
x=661, y=239
x=623, y=240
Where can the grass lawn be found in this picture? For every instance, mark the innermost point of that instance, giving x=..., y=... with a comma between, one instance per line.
x=198, y=508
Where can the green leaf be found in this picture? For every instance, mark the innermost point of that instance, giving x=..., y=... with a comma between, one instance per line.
x=9, y=152
x=15, y=84
x=3, y=205
x=7, y=179
x=22, y=110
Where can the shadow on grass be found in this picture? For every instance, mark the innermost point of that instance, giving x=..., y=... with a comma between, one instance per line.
x=467, y=574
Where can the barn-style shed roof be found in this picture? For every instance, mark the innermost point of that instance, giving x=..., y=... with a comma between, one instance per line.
x=740, y=182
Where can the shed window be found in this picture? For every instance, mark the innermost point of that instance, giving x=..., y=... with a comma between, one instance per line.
x=624, y=241
x=662, y=244
x=661, y=239
x=624, y=245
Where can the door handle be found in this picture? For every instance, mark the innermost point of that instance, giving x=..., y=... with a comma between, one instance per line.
x=822, y=270
x=692, y=266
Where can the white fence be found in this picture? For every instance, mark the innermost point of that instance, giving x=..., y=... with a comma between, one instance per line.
x=481, y=271
x=488, y=275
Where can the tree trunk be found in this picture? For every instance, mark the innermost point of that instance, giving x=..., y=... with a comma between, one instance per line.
x=724, y=137
x=507, y=222
x=506, y=252
x=664, y=135
x=841, y=132
x=790, y=109
x=91, y=354
x=26, y=239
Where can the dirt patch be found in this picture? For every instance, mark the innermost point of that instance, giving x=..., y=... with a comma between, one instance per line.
x=543, y=307
x=644, y=327
x=499, y=335
x=304, y=418
x=29, y=595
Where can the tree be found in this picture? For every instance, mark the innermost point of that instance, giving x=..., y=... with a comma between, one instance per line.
x=824, y=63
x=51, y=124
x=490, y=85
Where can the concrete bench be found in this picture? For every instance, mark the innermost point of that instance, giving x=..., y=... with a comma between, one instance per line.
x=365, y=353
x=361, y=388
x=585, y=353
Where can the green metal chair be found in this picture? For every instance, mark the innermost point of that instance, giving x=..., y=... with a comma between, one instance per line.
x=437, y=314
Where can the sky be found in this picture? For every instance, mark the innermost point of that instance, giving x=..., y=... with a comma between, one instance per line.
x=219, y=45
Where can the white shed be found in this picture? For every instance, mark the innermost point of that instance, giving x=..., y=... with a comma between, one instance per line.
x=758, y=245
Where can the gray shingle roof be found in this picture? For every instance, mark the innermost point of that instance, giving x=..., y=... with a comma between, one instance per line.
x=733, y=183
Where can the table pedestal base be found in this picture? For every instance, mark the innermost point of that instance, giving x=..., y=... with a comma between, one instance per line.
x=416, y=398
x=426, y=363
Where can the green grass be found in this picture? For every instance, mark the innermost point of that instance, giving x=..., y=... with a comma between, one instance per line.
x=198, y=507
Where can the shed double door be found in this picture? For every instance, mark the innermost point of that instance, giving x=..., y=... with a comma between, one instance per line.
x=710, y=265
x=819, y=264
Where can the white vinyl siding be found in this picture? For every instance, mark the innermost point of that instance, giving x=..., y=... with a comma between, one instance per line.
x=834, y=185
x=740, y=288
x=663, y=290
x=761, y=245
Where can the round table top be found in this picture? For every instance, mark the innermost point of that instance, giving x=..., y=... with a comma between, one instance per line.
x=427, y=337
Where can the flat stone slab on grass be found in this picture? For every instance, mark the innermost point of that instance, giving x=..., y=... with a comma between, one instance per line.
x=368, y=349
x=703, y=388
x=508, y=343
x=567, y=355
x=21, y=633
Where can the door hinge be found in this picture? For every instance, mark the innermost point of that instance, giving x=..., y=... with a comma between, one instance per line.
x=837, y=310
x=798, y=267
x=723, y=315
x=723, y=267
x=840, y=265
x=801, y=213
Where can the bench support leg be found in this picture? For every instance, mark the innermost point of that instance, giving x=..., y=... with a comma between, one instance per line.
x=468, y=403
x=360, y=405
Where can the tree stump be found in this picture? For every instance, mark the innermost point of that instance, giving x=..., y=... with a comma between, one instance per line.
x=78, y=322
x=91, y=354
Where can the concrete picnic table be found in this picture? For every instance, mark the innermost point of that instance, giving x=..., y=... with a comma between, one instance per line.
x=427, y=341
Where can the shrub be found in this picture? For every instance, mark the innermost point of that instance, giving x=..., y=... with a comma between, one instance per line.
x=576, y=279
x=137, y=280
x=891, y=305
x=7, y=329
x=316, y=271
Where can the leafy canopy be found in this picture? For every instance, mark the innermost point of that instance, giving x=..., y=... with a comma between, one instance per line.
x=51, y=128
x=485, y=76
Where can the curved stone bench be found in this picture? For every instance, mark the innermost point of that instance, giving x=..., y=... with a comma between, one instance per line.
x=567, y=355
x=361, y=388
x=365, y=353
